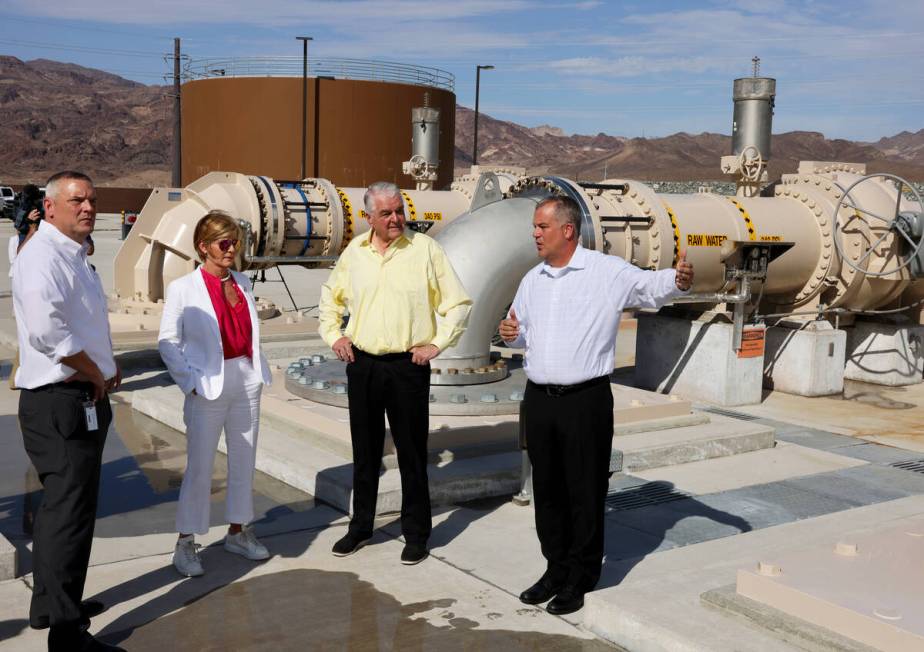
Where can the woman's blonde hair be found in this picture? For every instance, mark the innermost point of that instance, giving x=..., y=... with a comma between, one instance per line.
x=216, y=225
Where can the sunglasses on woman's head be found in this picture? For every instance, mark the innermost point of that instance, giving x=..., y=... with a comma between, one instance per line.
x=226, y=243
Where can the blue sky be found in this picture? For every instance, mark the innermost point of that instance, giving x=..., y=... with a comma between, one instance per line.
x=850, y=69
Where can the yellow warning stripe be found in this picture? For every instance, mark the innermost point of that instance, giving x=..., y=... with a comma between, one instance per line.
x=670, y=214
x=412, y=212
x=348, y=214
x=752, y=232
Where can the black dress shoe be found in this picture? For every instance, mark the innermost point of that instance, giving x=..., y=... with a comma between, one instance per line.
x=568, y=600
x=541, y=591
x=88, y=609
x=350, y=544
x=414, y=553
x=79, y=641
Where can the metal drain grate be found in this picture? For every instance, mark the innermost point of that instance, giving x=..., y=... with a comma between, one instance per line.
x=731, y=413
x=644, y=495
x=916, y=466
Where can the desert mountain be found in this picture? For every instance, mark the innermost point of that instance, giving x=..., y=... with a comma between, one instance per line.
x=55, y=115
x=676, y=157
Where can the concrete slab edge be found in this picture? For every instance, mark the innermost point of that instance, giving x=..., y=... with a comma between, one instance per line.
x=694, y=451
x=9, y=559
x=624, y=629
x=788, y=628
x=334, y=486
x=693, y=419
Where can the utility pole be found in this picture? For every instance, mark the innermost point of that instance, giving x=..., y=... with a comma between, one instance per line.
x=177, y=177
x=304, y=40
x=478, y=70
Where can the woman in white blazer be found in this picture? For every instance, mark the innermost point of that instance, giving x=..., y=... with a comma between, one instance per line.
x=210, y=341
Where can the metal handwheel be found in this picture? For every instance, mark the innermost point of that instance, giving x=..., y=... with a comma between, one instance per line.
x=899, y=223
x=751, y=163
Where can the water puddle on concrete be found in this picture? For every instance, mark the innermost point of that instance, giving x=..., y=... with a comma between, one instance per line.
x=875, y=395
x=308, y=609
x=143, y=465
x=160, y=453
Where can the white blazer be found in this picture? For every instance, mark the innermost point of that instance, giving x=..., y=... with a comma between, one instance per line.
x=190, y=341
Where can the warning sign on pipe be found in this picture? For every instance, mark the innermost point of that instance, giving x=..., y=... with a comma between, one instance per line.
x=705, y=239
x=752, y=342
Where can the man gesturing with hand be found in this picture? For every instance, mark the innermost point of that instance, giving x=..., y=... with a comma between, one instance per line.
x=395, y=283
x=565, y=314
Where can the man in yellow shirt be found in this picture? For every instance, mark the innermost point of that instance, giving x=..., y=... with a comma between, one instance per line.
x=394, y=283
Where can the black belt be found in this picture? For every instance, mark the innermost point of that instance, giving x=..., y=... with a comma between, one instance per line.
x=73, y=387
x=384, y=357
x=561, y=390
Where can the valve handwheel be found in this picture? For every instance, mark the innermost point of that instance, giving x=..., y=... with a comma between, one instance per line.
x=897, y=223
x=751, y=163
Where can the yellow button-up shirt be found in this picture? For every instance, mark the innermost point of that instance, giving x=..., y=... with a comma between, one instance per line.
x=409, y=296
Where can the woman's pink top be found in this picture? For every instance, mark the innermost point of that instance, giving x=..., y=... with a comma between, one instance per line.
x=233, y=321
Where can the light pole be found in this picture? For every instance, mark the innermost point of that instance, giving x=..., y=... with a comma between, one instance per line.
x=478, y=70
x=304, y=40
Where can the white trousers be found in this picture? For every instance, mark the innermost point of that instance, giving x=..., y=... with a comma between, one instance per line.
x=237, y=411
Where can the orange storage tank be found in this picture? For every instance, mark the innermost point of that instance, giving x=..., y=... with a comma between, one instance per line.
x=357, y=130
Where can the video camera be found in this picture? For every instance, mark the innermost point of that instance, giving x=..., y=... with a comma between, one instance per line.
x=29, y=199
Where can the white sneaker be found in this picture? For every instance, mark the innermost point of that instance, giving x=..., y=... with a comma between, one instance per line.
x=245, y=544
x=186, y=557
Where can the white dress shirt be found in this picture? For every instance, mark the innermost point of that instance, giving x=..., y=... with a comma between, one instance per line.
x=11, y=248
x=60, y=309
x=569, y=315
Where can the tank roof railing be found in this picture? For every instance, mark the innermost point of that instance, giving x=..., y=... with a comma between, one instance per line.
x=387, y=71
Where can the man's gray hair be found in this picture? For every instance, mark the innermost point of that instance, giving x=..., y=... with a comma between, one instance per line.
x=566, y=211
x=54, y=183
x=379, y=188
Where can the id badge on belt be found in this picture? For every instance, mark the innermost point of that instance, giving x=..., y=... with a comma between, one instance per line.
x=89, y=411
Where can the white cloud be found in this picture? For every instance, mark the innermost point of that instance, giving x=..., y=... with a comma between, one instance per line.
x=364, y=14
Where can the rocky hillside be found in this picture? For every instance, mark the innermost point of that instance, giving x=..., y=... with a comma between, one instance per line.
x=57, y=115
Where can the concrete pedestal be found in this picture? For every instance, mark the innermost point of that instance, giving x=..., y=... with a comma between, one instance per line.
x=864, y=587
x=885, y=353
x=805, y=358
x=695, y=359
x=8, y=559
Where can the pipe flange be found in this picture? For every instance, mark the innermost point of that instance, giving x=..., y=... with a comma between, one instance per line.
x=533, y=187
x=748, y=224
x=829, y=272
x=260, y=240
x=464, y=186
x=676, y=229
x=348, y=225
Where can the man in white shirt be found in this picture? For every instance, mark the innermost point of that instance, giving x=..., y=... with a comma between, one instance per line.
x=566, y=314
x=66, y=370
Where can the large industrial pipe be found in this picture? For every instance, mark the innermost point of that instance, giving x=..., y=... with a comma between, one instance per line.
x=490, y=249
x=306, y=222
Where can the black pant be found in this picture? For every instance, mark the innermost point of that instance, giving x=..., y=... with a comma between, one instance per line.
x=391, y=384
x=67, y=458
x=569, y=439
